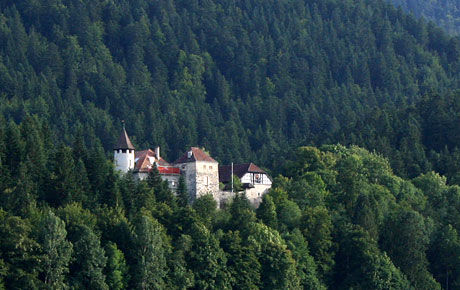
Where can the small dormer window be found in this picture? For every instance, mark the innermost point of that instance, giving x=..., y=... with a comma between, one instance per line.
x=189, y=154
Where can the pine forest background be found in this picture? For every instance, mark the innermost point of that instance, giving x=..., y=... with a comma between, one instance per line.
x=248, y=80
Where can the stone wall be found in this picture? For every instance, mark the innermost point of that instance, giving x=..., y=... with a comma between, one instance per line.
x=188, y=170
x=207, y=178
x=173, y=180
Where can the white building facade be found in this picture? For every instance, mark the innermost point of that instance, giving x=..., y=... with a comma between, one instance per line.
x=201, y=172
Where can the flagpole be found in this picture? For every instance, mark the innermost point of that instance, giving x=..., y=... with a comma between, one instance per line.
x=232, y=177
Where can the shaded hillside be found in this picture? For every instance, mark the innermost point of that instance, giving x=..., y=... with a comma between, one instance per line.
x=245, y=79
x=444, y=13
x=416, y=139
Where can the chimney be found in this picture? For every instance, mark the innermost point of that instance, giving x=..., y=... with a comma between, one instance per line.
x=157, y=152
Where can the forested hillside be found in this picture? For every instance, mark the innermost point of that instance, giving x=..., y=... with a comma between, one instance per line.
x=445, y=13
x=251, y=81
x=417, y=138
x=338, y=219
x=248, y=80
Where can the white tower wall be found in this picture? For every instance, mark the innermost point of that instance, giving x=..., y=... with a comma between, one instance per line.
x=124, y=159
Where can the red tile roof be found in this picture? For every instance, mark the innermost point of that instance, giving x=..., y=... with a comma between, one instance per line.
x=143, y=163
x=124, y=142
x=196, y=155
x=168, y=170
x=225, y=172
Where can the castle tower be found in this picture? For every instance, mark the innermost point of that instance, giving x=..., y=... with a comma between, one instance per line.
x=124, y=153
x=201, y=173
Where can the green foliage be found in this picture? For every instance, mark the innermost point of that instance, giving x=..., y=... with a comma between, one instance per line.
x=406, y=238
x=151, y=250
x=254, y=80
x=317, y=227
x=205, y=208
x=183, y=198
x=207, y=260
x=249, y=80
x=19, y=252
x=444, y=257
x=116, y=269
x=341, y=220
x=57, y=251
x=242, y=262
x=266, y=212
x=306, y=268
x=89, y=261
x=444, y=13
x=360, y=265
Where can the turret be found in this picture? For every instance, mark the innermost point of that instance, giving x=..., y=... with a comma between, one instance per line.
x=124, y=153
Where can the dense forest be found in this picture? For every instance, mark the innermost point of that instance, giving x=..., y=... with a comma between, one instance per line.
x=257, y=80
x=338, y=219
x=445, y=13
x=247, y=80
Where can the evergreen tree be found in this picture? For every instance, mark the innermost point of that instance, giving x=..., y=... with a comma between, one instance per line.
x=207, y=260
x=267, y=212
x=182, y=194
x=160, y=188
x=63, y=186
x=242, y=262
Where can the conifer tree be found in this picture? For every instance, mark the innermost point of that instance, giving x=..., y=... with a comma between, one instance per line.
x=160, y=188
x=242, y=264
x=207, y=260
x=183, y=198
x=63, y=186
x=267, y=212
x=181, y=277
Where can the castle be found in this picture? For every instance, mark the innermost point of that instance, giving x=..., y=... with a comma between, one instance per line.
x=202, y=174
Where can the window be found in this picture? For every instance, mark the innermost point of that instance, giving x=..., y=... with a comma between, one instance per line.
x=204, y=167
x=257, y=178
x=210, y=167
x=123, y=150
